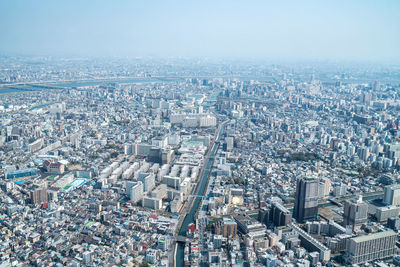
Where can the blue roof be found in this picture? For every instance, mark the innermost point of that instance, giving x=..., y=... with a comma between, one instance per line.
x=22, y=171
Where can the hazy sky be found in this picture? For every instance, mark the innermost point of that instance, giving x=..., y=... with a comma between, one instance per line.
x=298, y=29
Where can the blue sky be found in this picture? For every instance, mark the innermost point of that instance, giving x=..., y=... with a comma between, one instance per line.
x=323, y=29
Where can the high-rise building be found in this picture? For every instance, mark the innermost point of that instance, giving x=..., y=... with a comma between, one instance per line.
x=394, y=223
x=376, y=86
x=339, y=190
x=38, y=194
x=366, y=248
x=392, y=195
x=306, y=199
x=270, y=260
x=134, y=190
x=155, y=155
x=148, y=180
x=324, y=187
x=281, y=216
x=226, y=227
x=355, y=212
x=229, y=143
x=87, y=257
x=152, y=202
x=366, y=97
x=129, y=149
x=382, y=214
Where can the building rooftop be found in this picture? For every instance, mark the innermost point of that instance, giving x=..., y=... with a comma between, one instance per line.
x=364, y=238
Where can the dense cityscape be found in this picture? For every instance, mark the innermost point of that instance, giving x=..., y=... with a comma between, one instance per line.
x=181, y=133
x=175, y=162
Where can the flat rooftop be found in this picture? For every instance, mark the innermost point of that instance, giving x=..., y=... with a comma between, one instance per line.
x=364, y=238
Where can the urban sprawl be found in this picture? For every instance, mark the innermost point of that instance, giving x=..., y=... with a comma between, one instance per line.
x=164, y=163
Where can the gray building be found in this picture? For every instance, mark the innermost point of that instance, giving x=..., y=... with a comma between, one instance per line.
x=312, y=244
x=394, y=223
x=306, y=199
x=366, y=248
x=148, y=180
x=281, y=216
x=38, y=194
x=134, y=190
x=251, y=226
x=276, y=214
x=382, y=214
x=392, y=195
x=355, y=212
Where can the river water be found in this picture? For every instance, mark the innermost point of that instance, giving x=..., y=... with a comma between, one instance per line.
x=190, y=216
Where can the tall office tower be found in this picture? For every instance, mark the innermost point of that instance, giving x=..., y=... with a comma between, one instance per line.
x=355, y=212
x=306, y=199
x=392, y=195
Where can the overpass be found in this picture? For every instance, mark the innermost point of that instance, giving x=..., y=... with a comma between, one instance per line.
x=196, y=196
x=181, y=239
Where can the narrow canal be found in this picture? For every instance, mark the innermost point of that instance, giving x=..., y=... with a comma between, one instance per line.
x=190, y=216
